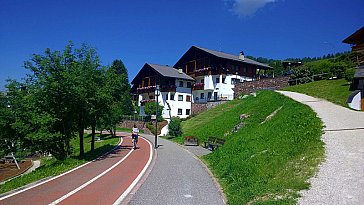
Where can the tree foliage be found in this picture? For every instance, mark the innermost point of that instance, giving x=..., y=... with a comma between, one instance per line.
x=150, y=109
x=174, y=127
x=66, y=92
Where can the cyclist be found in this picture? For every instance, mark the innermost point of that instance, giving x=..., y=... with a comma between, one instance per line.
x=134, y=136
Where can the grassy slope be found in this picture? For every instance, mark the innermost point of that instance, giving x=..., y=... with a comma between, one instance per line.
x=52, y=167
x=262, y=163
x=336, y=91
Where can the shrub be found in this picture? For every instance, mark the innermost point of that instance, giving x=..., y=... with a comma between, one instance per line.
x=349, y=74
x=175, y=128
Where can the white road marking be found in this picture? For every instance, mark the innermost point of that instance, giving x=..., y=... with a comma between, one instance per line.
x=51, y=179
x=133, y=184
x=92, y=180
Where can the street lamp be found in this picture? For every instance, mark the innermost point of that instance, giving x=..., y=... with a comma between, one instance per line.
x=156, y=116
x=135, y=112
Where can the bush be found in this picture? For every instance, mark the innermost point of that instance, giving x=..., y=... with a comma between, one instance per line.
x=349, y=74
x=175, y=128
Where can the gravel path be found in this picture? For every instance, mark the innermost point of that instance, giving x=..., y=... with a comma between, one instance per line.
x=340, y=179
x=177, y=177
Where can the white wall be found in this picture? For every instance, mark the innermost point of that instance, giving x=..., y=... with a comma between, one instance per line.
x=174, y=104
x=224, y=90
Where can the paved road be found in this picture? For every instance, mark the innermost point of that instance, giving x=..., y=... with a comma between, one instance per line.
x=340, y=179
x=102, y=181
x=177, y=178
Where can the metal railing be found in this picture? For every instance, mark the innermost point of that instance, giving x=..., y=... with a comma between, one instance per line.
x=134, y=118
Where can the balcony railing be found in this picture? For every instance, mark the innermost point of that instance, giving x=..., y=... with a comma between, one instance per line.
x=202, y=71
x=147, y=89
x=168, y=88
x=198, y=86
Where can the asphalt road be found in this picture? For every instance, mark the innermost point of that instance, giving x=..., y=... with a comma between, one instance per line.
x=340, y=179
x=178, y=178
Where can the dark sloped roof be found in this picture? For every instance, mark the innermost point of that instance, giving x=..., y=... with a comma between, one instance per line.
x=355, y=38
x=233, y=57
x=171, y=72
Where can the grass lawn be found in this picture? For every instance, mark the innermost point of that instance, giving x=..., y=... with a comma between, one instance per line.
x=262, y=163
x=336, y=91
x=52, y=167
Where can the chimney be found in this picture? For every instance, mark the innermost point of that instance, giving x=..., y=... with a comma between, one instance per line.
x=180, y=71
x=241, y=55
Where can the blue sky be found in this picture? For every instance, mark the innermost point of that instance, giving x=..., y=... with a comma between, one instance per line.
x=160, y=31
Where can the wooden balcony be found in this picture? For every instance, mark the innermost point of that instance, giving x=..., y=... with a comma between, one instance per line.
x=147, y=89
x=168, y=88
x=198, y=86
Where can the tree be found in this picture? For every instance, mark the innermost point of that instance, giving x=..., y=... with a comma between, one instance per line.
x=150, y=109
x=118, y=87
x=174, y=127
x=50, y=98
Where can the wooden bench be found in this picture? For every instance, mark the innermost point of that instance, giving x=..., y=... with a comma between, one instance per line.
x=191, y=141
x=213, y=143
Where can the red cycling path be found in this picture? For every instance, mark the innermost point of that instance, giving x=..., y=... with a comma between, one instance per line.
x=106, y=180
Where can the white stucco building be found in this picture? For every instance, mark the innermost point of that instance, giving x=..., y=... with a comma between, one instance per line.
x=174, y=85
x=201, y=75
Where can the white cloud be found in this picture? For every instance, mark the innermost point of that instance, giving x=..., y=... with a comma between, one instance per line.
x=247, y=7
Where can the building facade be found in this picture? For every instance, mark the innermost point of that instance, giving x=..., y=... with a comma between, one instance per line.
x=216, y=73
x=201, y=75
x=175, y=90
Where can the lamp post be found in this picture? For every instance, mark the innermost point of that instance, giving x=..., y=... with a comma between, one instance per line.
x=135, y=112
x=156, y=117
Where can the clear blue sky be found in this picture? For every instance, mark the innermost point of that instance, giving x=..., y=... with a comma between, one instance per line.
x=160, y=31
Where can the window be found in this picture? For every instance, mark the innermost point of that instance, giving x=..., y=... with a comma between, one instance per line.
x=180, y=97
x=179, y=111
x=202, y=80
x=217, y=80
x=180, y=83
x=202, y=95
x=172, y=96
x=167, y=96
x=223, y=80
x=188, y=111
x=188, y=98
x=209, y=95
x=189, y=84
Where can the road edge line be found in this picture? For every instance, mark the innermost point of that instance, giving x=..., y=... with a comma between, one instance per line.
x=90, y=181
x=58, y=176
x=136, y=180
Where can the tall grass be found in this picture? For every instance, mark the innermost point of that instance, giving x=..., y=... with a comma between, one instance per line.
x=262, y=163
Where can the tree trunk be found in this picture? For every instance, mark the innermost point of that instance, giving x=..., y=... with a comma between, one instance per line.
x=80, y=134
x=93, y=126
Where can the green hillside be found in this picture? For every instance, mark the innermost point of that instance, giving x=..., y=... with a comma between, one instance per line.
x=335, y=91
x=262, y=163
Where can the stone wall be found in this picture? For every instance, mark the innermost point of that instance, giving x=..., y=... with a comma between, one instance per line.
x=201, y=107
x=140, y=124
x=262, y=84
x=198, y=108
